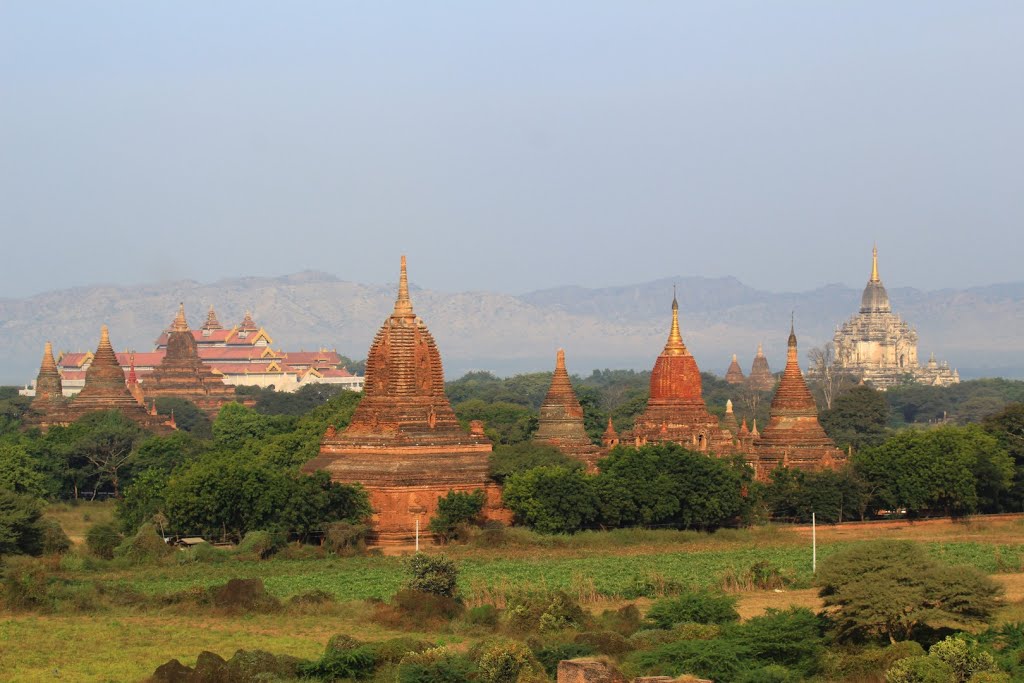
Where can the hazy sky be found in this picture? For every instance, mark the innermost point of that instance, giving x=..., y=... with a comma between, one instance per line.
x=512, y=146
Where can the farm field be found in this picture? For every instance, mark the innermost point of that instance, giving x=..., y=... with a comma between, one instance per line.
x=603, y=570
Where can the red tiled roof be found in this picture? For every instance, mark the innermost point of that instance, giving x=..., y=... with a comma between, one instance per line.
x=72, y=375
x=250, y=368
x=148, y=359
x=313, y=358
x=72, y=360
x=215, y=336
x=216, y=353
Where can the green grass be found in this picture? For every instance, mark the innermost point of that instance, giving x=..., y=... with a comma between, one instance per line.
x=611, y=575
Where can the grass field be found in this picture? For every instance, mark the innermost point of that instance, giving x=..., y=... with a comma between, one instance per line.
x=128, y=643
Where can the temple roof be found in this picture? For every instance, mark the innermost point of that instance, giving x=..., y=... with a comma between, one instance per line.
x=875, y=299
x=761, y=377
x=48, y=383
x=211, y=321
x=561, y=416
x=676, y=375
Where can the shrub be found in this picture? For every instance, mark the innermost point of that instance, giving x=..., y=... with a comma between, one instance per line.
x=454, y=510
x=965, y=657
x=356, y=663
x=102, y=540
x=394, y=650
x=483, y=615
x=791, y=638
x=550, y=656
x=605, y=642
x=54, y=540
x=867, y=664
x=436, y=665
x=503, y=661
x=342, y=642
x=435, y=574
x=344, y=538
x=715, y=659
x=243, y=595
x=202, y=553
x=412, y=610
x=700, y=608
x=309, y=598
x=24, y=583
x=145, y=546
x=625, y=621
x=919, y=670
x=261, y=544
x=492, y=534
x=545, y=611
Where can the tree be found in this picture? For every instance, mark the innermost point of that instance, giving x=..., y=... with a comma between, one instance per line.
x=858, y=418
x=237, y=424
x=1008, y=429
x=21, y=527
x=551, y=499
x=952, y=470
x=833, y=496
x=507, y=460
x=826, y=374
x=19, y=472
x=667, y=484
x=454, y=510
x=505, y=423
x=889, y=588
x=187, y=416
x=107, y=442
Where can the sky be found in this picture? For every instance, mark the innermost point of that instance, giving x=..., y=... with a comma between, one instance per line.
x=512, y=146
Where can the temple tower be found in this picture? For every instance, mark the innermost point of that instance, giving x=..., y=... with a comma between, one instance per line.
x=734, y=375
x=404, y=443
x=183, y=374
x=877, y=346
x=793, y=437
x=761, y=377
x=105, y=389
x=676, y=411
x=561, y=419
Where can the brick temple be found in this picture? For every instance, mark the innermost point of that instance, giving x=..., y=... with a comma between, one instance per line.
x=105, y=388
x=182, y=374
x=561, y=419
x=404, y=443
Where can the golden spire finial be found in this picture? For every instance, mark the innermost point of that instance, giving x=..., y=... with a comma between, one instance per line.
x=734, y=358
x=403, y=306
x=560, y=360
x=874, y=263
x=760, y=350
x=180, y=324
x=728, y=405
x=104, y=336
x=675, y=346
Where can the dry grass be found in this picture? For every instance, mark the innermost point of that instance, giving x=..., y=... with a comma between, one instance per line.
x=76, y=519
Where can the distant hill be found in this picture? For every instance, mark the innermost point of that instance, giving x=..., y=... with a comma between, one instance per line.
x=978, y=330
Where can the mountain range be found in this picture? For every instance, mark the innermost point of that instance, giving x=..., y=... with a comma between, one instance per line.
x=978, y=330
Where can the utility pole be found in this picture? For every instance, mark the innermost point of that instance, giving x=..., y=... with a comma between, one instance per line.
x=814, y=545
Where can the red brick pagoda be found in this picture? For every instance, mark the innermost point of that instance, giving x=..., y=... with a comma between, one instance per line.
x=404, y=443
x=105, y=389
x=761, y=377
x=676, y=410
x=183, y=374
x=794, y=437
x=561, y=419
x=734, y=375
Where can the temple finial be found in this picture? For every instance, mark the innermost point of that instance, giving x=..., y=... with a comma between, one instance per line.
x=874, y=263
x=403, y=306
x=50, y=364
x=180, y=324
x=792, y=331
x=675, y=345
x=104, y=336
x=560, y=360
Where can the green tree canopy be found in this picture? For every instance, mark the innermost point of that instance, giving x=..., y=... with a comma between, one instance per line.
x=889, y=588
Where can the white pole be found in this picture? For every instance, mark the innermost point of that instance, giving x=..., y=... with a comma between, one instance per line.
x=417, y=533
x=814, y=545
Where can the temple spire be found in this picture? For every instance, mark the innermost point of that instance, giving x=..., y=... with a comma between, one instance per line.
x=560, y=360
x=180, y=324
x=105, y=339
x=403, y=305
x=50, y=364
x=675, y=346
x=874, y=263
